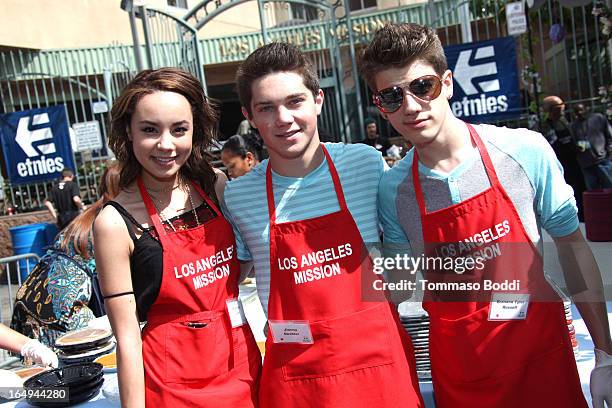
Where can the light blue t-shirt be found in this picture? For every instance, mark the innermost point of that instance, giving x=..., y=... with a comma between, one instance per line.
x=359, y=167
x=526, y=166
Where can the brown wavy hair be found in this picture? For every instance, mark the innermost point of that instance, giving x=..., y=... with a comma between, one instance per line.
x=205, y=120
x=78, y=231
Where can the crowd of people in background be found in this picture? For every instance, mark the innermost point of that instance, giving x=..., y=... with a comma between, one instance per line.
x=583, y=146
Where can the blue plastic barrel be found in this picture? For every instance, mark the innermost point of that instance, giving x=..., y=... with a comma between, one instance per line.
x=50, y=232
x=26, y=239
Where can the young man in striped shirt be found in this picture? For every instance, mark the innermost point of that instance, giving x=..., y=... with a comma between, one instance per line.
x=303, y=217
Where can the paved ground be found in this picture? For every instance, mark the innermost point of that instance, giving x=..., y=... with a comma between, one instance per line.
x=6, y=302
x=603, y=256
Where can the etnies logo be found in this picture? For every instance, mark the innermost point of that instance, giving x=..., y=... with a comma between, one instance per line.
x=470, y=71
x=26, y=138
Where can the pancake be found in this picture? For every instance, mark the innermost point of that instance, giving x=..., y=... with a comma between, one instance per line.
x=26, y=373
x=107, y=360
x=83, y=336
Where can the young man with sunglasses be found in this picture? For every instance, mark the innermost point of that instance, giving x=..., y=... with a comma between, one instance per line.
x=465, y=191
x=303, y=217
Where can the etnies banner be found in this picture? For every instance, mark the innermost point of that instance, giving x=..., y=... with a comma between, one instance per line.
x=486, y=86
x=36, y=144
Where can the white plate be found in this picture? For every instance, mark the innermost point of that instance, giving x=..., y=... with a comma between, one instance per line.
x=92, y=352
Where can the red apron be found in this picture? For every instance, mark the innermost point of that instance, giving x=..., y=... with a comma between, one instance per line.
x=361, y=355
x=477, y=362
x=192, y=355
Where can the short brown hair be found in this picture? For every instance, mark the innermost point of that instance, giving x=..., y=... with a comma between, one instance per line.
x=271, y=58
x=205, y=120
x=398, y=45
x=66, y=172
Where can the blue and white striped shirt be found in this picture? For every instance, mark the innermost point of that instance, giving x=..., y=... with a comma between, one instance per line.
x=359, y=167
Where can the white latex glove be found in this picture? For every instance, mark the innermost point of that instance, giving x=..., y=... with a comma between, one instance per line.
x=601, y=380
x=39, y=353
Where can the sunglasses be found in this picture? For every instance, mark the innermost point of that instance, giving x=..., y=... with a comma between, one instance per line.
x=425, y=88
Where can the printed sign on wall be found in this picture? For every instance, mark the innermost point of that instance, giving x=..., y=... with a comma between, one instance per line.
x=36, y=144
x=87, y=135
x=486, y=86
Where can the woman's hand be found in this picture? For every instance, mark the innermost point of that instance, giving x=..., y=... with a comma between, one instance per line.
x=39, y=353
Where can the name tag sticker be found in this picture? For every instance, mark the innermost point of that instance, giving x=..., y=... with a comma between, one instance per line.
x=291, y=331
x=236, y=312
x=509, y=306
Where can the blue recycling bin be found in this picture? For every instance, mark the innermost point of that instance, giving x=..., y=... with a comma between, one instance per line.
x=28, y=238
x=51, y=232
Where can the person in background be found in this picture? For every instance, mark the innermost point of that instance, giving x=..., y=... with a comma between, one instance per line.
x=557, y=131
x=30, y=349
x=167, y=256
x=464, y=190
x=64, y=201
x=593, y=136
x=77, y=237
x=241, y=153
x=373, y=138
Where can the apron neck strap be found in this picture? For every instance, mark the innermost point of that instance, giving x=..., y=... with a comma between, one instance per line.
x=206, y=199
x=161, y=231
x=484, y=155
x=154, y=215
x=334, y=176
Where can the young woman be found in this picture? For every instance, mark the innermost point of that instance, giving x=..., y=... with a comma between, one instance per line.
x=241, y=153
x=167, y=256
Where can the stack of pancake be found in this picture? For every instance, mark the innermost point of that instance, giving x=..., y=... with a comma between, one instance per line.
x=84, y=346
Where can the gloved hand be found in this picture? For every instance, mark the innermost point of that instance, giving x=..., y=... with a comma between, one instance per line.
x=39, y=353
x=601, y=380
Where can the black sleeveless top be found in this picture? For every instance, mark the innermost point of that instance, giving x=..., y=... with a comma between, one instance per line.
x=146, y=260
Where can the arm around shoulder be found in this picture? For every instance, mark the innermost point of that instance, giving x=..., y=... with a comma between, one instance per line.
x=220, y=184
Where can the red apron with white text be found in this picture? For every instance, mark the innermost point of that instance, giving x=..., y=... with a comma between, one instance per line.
x=478, y=362
x=361, y=355
x=192, y=355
